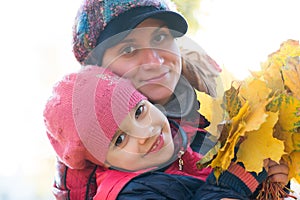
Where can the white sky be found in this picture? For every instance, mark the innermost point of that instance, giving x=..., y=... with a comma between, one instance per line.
x=240, y=34
x=35, y=45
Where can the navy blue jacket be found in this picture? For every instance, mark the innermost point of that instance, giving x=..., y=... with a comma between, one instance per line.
x=162, y=186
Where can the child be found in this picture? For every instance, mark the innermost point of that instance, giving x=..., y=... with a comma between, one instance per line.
x=96, y=117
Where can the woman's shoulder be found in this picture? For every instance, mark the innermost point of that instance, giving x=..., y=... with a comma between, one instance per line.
x=200, y=70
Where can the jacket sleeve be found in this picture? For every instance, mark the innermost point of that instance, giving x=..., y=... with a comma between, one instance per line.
x=235, y=182
x=159, y=185
x=72, y=184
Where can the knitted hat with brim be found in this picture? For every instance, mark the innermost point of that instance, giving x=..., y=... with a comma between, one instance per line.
x=97, y=21
x=84, y=113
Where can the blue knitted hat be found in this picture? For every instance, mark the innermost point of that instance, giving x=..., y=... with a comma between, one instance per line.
x=98, y=20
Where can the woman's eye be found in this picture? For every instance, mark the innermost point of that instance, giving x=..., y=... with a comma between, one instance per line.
x=120, y=139
x=128, y=50
x=139, y=111
x=159, y=38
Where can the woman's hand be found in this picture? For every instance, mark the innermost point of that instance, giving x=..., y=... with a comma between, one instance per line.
x=278, y=172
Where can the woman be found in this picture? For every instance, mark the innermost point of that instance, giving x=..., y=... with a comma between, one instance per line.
x=140, y=35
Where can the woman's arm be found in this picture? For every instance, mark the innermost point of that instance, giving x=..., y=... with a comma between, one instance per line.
x=70, y=184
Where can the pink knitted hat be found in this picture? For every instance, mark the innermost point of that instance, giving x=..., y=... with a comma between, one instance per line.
x=84, y=113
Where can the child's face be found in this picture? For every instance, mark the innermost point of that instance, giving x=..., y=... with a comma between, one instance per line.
x=143, y=141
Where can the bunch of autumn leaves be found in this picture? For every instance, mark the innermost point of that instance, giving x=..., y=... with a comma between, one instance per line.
x=261, y=115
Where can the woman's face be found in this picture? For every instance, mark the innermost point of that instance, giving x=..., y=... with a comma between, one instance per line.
x=150, y=58
x=144, y=140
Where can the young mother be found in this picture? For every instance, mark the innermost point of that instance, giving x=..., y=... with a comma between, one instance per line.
x=136, y=39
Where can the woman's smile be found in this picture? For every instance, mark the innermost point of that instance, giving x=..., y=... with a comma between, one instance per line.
x=156, y=78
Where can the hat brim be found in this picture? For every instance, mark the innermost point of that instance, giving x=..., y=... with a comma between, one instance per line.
x=173, y=20
x=130, y=19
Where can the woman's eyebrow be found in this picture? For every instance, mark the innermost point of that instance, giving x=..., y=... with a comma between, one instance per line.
x=158, y=29
x=161, y=26
x=130, y=40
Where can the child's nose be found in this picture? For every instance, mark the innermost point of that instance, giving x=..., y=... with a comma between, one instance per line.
x=149, y=134
x=142, y=141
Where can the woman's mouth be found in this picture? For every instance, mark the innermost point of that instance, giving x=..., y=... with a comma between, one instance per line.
x=155, y=79
x=157, y=145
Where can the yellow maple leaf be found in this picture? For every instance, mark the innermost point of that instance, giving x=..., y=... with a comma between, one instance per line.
x=289, y=48
x=211, y=108
x=294, y=165
x=253, y=151
x=291, y=75
x=231, y=102
x=208, y=157
x=286, y=137
x=226, y=153
x=289, y=114
x=254, y=91
x=289, y=117
x=296, y=141
x=256, y=116
x=223, y=159
x=248, y=119
x=271, y=74
x=271, y=68
x=291, y=139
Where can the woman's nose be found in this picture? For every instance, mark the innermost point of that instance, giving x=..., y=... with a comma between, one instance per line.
x=151, y=58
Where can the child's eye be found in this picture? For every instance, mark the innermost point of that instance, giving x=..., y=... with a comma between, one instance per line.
x=120, y=139
x=139, y=111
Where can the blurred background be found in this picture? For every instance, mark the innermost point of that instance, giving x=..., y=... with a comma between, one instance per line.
x=35, y=46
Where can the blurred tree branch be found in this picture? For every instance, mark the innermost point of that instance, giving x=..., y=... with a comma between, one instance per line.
x=190, y=8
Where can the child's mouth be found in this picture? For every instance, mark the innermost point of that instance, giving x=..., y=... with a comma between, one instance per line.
x=157, y=145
